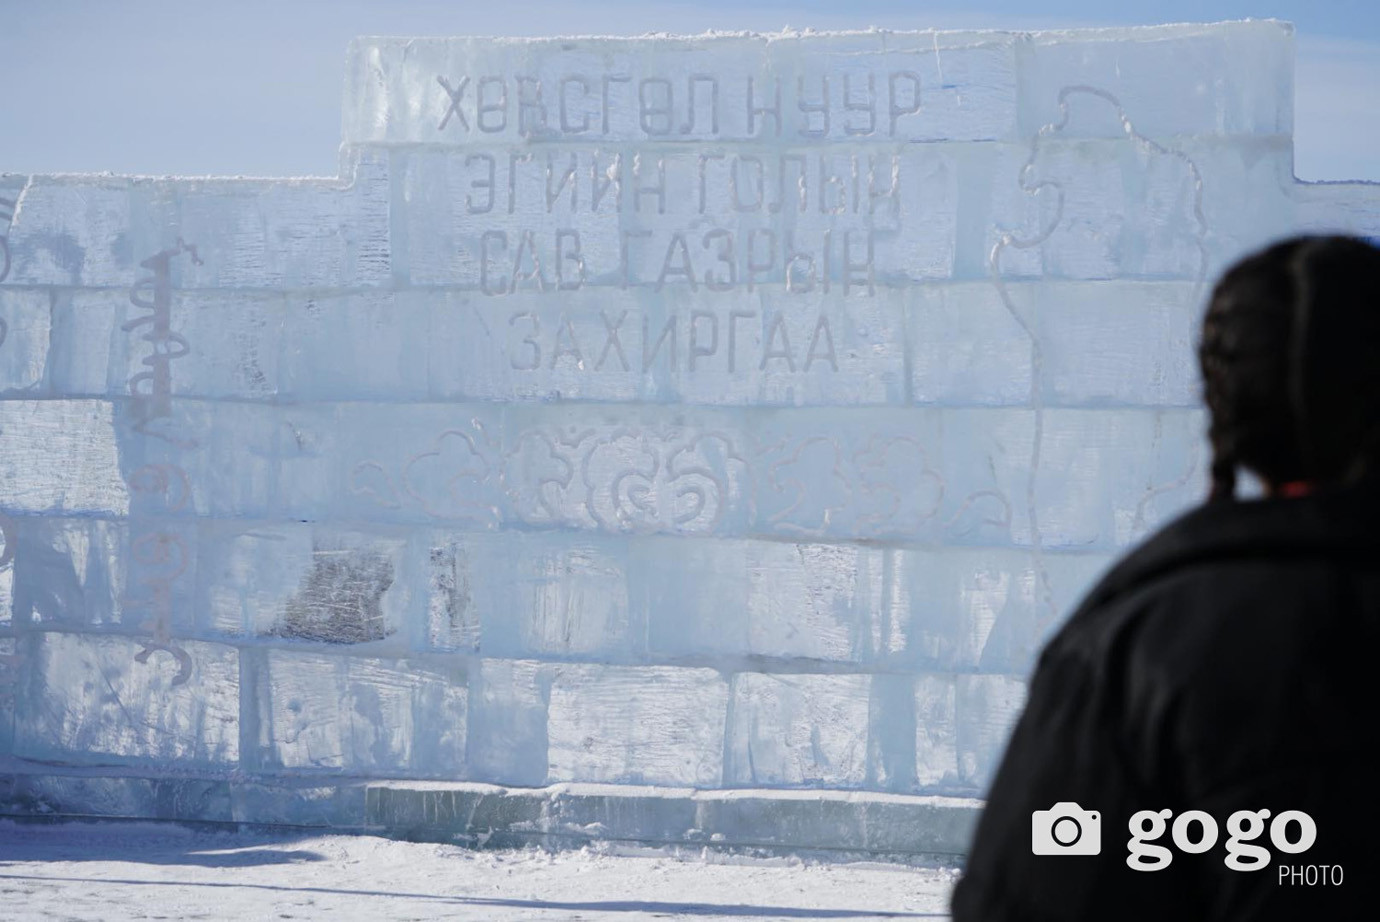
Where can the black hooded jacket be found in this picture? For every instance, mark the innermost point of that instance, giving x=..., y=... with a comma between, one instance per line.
x=1229, y=663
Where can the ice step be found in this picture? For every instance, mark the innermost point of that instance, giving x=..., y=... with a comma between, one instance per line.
x=827, y=824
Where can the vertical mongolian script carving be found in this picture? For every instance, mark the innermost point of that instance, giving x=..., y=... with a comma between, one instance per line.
x=6, y=215
x=9, y=661
x=160, y=490
x=152, y=388
x=158, y=558
x=9, y=656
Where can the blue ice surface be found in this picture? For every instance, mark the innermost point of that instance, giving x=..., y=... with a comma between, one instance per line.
x=682, y=440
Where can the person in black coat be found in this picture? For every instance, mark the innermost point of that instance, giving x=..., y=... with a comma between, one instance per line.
x=1200, y=738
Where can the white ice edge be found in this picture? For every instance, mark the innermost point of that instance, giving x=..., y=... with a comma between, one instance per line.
x=1091, y=33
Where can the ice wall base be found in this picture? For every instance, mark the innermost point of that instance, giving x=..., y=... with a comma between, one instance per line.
x=829, y=825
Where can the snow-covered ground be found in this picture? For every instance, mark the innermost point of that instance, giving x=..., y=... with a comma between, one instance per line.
x=111, y=871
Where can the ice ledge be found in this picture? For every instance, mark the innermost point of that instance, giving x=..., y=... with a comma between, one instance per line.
x=1171, y=30
x=813, y=823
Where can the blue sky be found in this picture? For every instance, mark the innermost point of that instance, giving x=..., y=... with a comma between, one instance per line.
x=253, y=86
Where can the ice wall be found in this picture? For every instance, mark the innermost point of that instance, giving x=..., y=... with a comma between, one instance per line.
x=719, y=411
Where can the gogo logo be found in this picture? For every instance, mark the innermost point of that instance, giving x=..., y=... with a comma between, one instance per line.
x=1243, y=828
x=1066, y=829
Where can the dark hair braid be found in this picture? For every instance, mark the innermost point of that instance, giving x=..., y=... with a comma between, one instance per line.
x=1290, y=358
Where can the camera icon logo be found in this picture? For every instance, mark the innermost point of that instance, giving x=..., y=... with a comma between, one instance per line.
x=1066, y=829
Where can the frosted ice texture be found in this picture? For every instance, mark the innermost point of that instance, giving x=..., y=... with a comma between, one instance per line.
x=720, y=411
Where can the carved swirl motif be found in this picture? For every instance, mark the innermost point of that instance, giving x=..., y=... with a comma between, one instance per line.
x=625, y=479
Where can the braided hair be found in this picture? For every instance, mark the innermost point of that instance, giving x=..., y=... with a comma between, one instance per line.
x=1290, y=358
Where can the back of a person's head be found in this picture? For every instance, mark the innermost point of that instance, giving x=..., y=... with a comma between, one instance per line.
x=1290, y=357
